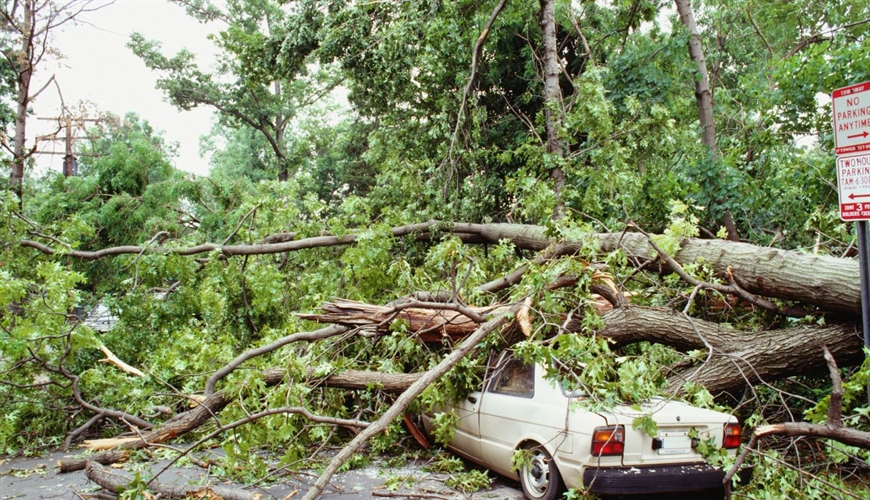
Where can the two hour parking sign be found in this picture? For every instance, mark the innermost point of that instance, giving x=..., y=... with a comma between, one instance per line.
x=853, y=182
x=851, y=106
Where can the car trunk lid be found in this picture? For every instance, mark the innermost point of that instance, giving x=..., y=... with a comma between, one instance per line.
x=680, y=427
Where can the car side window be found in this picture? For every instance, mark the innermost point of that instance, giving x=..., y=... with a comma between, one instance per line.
x=514, y=378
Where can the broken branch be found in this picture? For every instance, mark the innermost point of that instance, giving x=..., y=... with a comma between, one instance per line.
x=114, y=360
x=113, y=481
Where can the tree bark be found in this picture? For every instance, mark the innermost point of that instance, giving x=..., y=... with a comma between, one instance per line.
x=364, y=380
x=829, y=283
x=704, y=99
x=106, y=458
x=703, y=95
x=115, y=482
x=739, y=357
x=552, y=95
x=24, y=69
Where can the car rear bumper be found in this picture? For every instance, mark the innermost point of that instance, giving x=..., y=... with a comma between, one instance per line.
x=652, y=479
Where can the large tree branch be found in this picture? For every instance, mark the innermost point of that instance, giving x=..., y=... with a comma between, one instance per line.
x=208, y=408
x=762, y=271
x=323, y=333
x=740, y=357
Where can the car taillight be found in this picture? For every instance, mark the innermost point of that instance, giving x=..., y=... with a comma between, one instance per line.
x=608, y=441
x=732, y=436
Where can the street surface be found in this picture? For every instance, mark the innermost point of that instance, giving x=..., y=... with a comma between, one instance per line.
x=32, y=479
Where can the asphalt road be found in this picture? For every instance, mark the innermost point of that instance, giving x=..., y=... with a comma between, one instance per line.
x=38, y=478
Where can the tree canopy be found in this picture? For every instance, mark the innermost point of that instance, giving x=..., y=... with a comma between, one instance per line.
x=539, y=168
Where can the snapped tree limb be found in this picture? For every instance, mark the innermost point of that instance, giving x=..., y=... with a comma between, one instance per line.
x=115, y=482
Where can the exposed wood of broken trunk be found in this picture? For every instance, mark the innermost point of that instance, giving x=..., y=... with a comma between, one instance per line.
x=428, y=325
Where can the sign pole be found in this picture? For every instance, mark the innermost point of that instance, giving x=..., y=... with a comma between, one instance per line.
x=864, y=266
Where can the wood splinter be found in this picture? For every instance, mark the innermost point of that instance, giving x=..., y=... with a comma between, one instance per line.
x=114, y=360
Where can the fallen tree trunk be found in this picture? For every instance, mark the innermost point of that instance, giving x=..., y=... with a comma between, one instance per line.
x=769, y=272
x=363, y=380
x=108, y=458
x=115, y=482
x=739, y=357
x=830, y=283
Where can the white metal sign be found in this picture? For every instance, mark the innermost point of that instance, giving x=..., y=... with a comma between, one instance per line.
x=853, y=184
x=852, y=119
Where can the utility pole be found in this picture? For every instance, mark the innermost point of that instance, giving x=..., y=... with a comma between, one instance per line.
x=70, y=166
x=66, y=122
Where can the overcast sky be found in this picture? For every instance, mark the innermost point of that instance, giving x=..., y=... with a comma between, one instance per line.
x=100, y=68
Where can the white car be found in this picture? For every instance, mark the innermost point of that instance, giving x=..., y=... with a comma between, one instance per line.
x=570, y=446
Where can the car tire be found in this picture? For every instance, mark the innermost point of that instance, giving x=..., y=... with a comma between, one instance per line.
x=540, y=479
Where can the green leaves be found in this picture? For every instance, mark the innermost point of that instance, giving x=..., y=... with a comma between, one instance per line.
x=470, y=481
x=445, y=426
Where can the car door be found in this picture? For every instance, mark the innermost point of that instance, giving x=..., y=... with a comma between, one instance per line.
x=466, y=437
x=504, y=412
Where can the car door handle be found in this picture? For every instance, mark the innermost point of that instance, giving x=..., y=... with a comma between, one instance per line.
x=472, y=399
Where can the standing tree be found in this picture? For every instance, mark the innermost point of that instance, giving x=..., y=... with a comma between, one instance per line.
x=262, y=80
x=553, y=101
x=704, y=99
x=27, y=27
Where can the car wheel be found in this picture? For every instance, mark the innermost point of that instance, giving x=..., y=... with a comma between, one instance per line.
x=540, y=478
